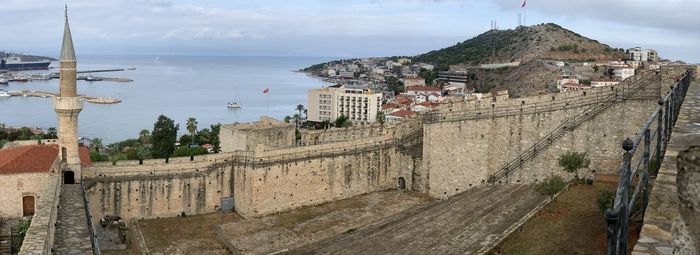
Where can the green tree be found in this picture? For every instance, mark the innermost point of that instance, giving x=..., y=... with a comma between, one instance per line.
x=573, y=161
x=96, y=144
x=551, y=186
x=381, y=118
x=145, y=136
x=214, y=138
x=343, y=121
x=164, y=136
x=596, y=68
x=287, y=119
x=297, y=120
x=143, y=152
x=192, y=126
x=300, y=109
x=51, y=133
x=185, y=139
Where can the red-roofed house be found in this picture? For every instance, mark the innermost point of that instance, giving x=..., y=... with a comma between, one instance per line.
x=399, y=115
x=423, y=106
x=422, y=90
x=390, y=107
x=25, y=172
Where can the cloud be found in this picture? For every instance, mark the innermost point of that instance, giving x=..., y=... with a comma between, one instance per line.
x=315, y=27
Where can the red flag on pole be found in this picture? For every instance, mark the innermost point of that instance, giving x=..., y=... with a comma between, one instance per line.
x=267, y=90
x=524, y=3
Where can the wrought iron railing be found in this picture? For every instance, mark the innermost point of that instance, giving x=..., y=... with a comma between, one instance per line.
x=88, y=215
x=632, y=195
x=600, y=105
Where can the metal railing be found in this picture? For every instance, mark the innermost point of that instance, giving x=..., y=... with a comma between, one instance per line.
x=601, y=104
x=88, y=215
x=632, y=195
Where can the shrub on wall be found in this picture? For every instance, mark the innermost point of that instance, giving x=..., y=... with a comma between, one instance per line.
x=98, y=157
x=184, y=151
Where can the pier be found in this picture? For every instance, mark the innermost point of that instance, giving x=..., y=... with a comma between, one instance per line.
x=44, y=94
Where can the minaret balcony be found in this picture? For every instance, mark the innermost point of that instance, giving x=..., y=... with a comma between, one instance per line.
x=67, y=104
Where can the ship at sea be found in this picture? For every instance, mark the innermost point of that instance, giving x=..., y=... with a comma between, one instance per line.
x=14, y=63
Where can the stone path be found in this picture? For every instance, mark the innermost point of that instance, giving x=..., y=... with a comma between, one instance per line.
x=662, y=221
x=71, y=230
x=460, y=225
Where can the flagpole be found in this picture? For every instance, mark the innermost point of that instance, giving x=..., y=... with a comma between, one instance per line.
x=525, y=15
x=268, y=104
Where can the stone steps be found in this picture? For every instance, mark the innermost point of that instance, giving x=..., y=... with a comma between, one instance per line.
x=460, y=225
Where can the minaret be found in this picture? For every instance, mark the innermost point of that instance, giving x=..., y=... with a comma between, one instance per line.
x=68, y=105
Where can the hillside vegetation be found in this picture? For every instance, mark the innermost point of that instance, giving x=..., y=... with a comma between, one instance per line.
x=548, y=41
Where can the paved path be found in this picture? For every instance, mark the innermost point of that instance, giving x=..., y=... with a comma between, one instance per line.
x=71, y=230
x=460, y=225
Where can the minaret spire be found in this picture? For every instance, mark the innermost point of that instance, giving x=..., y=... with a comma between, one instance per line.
x=67, y=51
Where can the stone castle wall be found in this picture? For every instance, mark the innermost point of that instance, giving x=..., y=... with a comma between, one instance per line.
x=460, y=155
x=267, y=182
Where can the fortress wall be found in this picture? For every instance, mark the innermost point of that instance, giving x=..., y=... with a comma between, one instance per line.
x=167, y=195
x=334, y=135
x=270, y=182
x=461, y=155
x=292, y=184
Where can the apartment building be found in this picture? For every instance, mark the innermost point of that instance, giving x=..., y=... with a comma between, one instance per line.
x=357, y=102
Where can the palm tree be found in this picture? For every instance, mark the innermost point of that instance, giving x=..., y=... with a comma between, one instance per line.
x=192, y=126
x=96, y=144
x=145, y=136
x=300, y=108
x=296, y=119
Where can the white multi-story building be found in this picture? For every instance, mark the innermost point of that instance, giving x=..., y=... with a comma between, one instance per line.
x=622, y=73
x=358, y=103
x=639, y=54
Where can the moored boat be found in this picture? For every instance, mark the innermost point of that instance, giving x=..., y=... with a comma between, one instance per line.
x=16, y=63
x=4, y=94
x=234, y=105
x=3, y=81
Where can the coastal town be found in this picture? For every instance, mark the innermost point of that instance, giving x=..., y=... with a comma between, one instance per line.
x=391, y=89
x=530, y=140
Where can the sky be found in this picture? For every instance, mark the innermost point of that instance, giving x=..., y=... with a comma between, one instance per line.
x=337, y=28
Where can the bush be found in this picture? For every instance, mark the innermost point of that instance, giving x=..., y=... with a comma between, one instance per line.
x=605, y=200
x=23, y=227
x=551, y=186
x=573, y=161
x=98, y=157
x=184, y=151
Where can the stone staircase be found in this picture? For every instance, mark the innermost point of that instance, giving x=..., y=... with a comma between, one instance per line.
x=568, y=125
x=72, y=235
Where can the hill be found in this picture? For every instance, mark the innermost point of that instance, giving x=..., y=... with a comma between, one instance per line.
x=544, y=41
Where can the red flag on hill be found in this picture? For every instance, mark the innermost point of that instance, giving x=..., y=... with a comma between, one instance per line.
x=267, y=90
x=524, y=3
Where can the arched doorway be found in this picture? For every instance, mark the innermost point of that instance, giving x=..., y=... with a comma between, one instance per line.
x=402, y=183
x=68, y=177
x=27, y=205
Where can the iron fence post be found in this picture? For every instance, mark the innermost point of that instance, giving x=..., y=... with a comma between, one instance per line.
x=612, y=217
x=624, y=210
x=645, y=171
x=659, y=134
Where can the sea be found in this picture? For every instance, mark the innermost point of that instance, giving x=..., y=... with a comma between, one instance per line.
x=178, y=87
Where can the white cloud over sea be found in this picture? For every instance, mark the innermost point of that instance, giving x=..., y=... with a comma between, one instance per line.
x=332, y=27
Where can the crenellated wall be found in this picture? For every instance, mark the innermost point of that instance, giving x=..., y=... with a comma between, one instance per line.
x=444, y=152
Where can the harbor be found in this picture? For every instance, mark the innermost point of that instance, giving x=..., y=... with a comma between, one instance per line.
x=44, y=94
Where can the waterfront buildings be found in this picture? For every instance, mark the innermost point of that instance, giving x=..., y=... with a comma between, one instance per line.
x=359, y=103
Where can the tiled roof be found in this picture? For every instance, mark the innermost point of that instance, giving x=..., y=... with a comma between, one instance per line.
x=402, y=113
x=388, y=106
x=34, y=159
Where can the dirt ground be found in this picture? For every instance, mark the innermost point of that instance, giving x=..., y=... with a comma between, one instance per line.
x=572, y=224
x=188, y=235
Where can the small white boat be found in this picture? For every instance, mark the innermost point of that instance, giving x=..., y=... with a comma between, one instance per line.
x=92, y=78
x=234, y=105
x=3, y=81
x=4, y=94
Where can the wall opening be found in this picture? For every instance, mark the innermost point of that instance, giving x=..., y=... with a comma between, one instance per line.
x=27, y=205
x=68, y=177
x=402, y=183
x=64, y=154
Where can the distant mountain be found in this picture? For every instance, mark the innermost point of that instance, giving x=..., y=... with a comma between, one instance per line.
x=544, y=41
x=4, y=54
